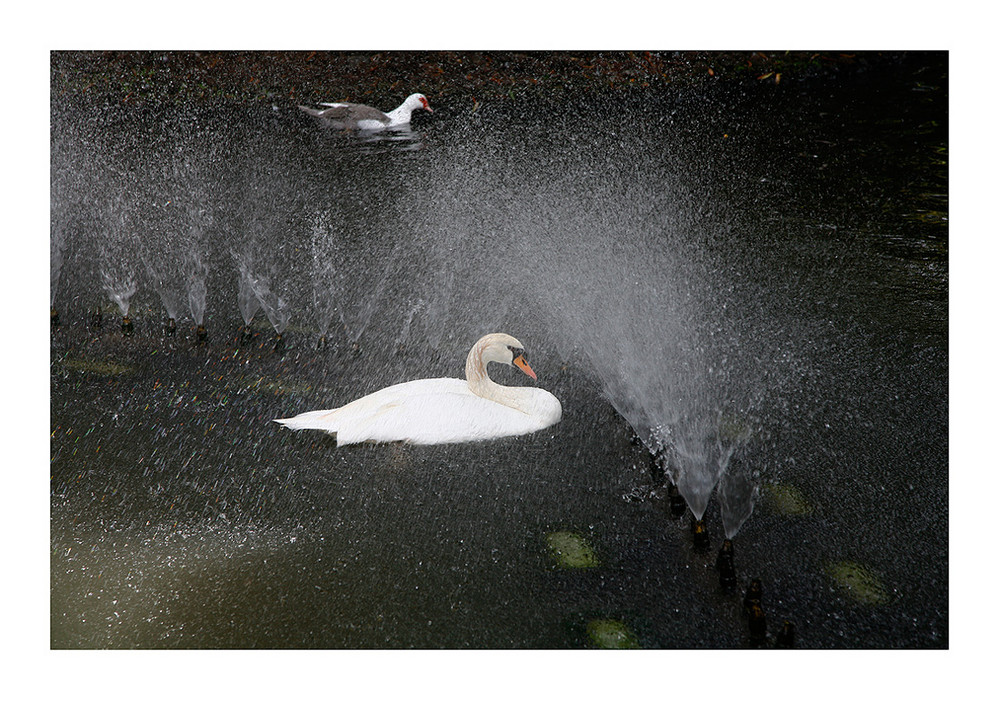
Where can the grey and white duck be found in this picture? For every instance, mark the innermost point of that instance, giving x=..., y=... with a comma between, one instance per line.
x=348, y=115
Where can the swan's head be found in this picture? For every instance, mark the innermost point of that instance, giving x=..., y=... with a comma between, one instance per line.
x=504, y=348
x=416, y=101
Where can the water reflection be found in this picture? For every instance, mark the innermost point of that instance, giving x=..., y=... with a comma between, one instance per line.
x=397, y=140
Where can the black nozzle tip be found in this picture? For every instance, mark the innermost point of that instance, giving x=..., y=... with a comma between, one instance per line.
x=701, y=540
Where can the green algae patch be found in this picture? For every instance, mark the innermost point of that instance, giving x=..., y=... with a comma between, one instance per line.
x=96, y=367
x=609, y=634
x=786, y=500
x=571, y=551
x=858, y=582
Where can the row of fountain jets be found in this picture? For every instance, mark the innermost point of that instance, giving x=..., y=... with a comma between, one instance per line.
x=686, y=472
x=255, y=294
x=700, y=460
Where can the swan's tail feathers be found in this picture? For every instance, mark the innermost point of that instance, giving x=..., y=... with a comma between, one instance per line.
x=319, y=420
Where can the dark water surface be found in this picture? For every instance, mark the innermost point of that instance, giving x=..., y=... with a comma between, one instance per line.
x=784, y=246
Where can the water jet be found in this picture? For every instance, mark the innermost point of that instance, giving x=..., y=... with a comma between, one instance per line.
x=120, y=285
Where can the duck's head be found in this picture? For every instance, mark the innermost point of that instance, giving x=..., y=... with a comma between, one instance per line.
x=416, y=101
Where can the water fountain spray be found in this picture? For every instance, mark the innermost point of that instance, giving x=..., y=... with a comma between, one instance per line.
x=196, y=268
x=57, y=244
x=324, y=261
x=246, y=299
x=120, y=289
x=737, y=493
x=275, y=306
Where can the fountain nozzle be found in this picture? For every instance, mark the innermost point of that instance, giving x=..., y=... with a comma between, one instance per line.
x=786, y=638
x=321, y=343
x=54, y=318
x=246, y=335
x=754, y=595
x=677, y=504
x=753, y=607
x=701, y=542
x=171, y=328
x=127, y=327
x=201, y=335
x=757, y=624
x=96, y=319
x=726, y=566
x=279, y=344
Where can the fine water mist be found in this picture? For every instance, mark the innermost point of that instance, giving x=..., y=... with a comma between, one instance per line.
x=611, y=247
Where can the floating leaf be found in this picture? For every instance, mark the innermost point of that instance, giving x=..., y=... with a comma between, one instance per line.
x=571, y=550
x=609, y=634
x=858, y=582
x=787, y=500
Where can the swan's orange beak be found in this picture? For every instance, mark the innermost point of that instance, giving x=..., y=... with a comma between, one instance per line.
x=520, y=362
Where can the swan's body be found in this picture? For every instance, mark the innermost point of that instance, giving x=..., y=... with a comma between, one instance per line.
x=445, y=409
x=348, y=115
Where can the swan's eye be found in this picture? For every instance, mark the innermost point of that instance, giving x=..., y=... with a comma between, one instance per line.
x=517, y=352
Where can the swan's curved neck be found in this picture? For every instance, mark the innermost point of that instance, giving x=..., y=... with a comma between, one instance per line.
x=481, y=384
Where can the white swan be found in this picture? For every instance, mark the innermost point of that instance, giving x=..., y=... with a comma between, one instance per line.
x=444, y=409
